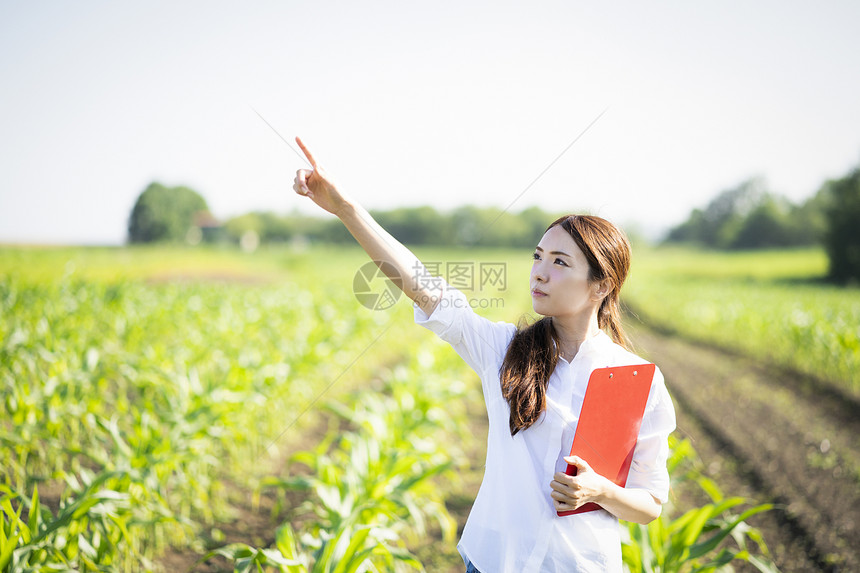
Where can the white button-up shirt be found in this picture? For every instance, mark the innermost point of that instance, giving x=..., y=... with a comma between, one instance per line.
x=513, y=526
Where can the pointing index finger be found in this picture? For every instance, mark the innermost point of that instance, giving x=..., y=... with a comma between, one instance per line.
x=306, y=152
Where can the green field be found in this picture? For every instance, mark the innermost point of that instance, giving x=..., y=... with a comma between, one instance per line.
x=147, y=393
x=769, y=305
x=150, y=394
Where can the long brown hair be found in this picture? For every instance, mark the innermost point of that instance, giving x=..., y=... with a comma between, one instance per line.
x=533, y=353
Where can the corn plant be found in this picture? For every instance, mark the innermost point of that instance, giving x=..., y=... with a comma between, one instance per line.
x=95, y=527
x=141, y=398
x=174, y=386
x=362, y=500
x=369, y=487
x=699, y=539
x=386, y=466
x=359, y=481
x=348, y=550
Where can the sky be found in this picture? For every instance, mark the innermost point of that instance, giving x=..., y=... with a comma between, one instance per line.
x=405, y=103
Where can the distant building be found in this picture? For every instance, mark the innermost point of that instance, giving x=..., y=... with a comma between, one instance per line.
x=205, y=228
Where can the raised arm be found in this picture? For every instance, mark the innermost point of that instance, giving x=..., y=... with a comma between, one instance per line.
x=394, y=259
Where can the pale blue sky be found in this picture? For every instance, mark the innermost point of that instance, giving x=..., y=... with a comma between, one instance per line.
x=439, y=103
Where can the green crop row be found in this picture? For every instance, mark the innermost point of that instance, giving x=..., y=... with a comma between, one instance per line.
x=130, y=400
x=372, y=486
x=157, y=393
x=377, y=480
x=698, y=539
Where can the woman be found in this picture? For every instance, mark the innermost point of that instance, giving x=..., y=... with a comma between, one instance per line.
x=534, y=381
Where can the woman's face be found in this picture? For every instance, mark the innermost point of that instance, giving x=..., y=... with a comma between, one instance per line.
x=559, y=277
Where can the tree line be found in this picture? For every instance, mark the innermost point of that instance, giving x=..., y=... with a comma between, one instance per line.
x=747, y=216
x=181, y=215
x=424, y=225
x=750, y=216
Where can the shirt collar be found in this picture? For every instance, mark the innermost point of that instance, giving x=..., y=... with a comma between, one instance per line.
x=593, y=346
x=598, y=342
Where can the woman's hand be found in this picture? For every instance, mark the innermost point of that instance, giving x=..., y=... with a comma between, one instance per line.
x=572, y=492
x=394, y=259
x=316, y=185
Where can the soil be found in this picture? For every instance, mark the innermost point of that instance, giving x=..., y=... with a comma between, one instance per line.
x=764, y=433
x=772, y=436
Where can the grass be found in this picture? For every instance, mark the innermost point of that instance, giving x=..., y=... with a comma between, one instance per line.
x=771, y=305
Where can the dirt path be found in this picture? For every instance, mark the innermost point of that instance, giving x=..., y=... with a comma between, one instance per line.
x=772, y=436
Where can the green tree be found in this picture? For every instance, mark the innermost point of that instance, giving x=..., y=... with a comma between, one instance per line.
x=768, y=225
x=750, y=217
x=718, y=224
x=414, y=225
x=467, y=225
x=842, y=239
x=493, y=227
x=536, y=221
x=164, y=214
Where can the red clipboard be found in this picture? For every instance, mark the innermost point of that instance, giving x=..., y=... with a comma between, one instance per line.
x=609, y=422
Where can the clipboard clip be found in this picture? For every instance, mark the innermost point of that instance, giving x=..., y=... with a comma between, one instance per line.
x=635, y=372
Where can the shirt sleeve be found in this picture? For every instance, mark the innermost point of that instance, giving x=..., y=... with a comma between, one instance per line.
x=648, y=469
x=481, y=342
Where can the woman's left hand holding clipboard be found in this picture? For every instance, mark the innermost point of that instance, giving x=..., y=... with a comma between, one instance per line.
x=572, y=492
